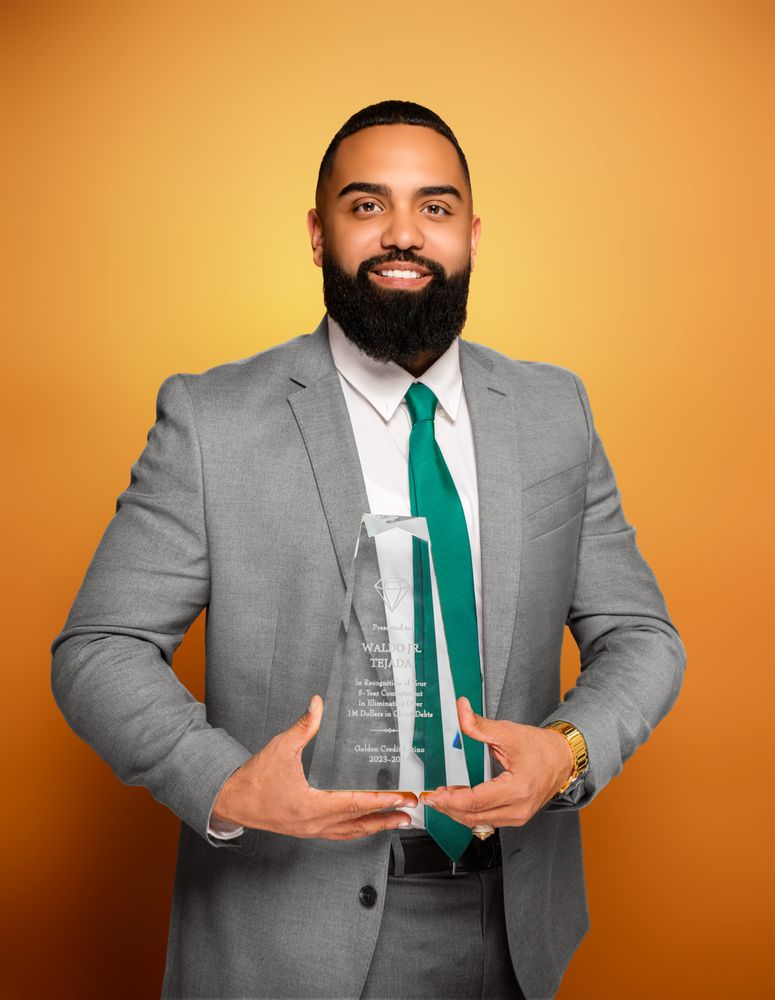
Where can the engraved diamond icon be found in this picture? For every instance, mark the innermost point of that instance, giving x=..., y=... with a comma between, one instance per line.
x=392, y=592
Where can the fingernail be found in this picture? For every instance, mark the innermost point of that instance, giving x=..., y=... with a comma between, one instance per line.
x=311, y=706
x=404, y=821
x=397, y=802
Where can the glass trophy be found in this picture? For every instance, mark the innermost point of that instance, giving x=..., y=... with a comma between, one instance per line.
x=390, y=681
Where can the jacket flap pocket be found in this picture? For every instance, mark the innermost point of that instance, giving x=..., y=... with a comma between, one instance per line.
x=552, y=489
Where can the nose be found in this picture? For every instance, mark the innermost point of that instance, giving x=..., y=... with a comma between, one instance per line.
x=401, y=230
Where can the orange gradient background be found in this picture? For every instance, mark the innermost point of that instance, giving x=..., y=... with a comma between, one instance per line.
x=159, y=161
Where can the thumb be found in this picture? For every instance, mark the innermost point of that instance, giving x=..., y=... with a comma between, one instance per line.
x=305, y=727
x=473, y=725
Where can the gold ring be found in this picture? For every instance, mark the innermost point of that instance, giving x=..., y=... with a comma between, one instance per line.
x=483, y=831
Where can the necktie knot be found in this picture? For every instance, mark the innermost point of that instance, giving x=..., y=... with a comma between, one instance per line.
x=421, y=402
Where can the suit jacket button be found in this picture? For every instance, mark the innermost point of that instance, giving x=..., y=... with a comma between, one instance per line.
x=383, y=778
x=368, y=895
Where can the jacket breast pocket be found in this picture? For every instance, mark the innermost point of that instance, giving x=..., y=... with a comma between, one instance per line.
x=554, y=501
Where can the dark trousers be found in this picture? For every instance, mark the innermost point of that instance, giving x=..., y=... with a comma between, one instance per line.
x=443, y=939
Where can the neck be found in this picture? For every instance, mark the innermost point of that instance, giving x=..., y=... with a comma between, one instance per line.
x=420, y=363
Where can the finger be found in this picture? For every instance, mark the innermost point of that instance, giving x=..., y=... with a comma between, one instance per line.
x=305, y=727
x=505, y=816
x=507, y=812
x=348, y=806
x=464, y=815
x=510, y=814
x=493, y=794
x=367, y=825
x=476, y=726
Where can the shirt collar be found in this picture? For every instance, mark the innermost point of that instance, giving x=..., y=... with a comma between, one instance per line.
x=384, y=383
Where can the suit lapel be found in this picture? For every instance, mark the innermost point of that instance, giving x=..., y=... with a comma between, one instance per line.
x=493, y=419
x=319, y=407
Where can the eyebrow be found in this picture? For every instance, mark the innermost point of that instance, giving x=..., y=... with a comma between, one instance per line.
x=364, y=187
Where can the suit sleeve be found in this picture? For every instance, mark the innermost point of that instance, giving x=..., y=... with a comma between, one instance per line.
x=111, y=671
x=632, y=658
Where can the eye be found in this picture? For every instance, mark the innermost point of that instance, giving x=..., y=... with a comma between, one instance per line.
x=367, y=206
x=437, y=209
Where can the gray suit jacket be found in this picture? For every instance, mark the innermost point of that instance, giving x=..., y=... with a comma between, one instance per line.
x=246, y=501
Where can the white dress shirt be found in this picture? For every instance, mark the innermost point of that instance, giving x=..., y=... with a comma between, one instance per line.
x=374, y=393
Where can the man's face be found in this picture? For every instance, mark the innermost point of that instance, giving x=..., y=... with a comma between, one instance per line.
x=396, y=200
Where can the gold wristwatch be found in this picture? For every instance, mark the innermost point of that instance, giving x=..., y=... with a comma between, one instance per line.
x=578, y=745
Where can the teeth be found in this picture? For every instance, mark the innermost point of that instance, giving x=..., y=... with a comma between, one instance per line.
x=400, y=274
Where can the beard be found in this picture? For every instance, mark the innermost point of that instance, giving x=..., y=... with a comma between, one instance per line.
x=391, y=324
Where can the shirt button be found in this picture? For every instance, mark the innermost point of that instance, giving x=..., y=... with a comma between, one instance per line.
x=383, y=778
x=368, y=895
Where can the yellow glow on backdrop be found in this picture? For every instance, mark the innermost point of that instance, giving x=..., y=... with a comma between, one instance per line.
x=161, y=161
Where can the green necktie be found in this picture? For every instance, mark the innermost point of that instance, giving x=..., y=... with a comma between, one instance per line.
x=433, y=496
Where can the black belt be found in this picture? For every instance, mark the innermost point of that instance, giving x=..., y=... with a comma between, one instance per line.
x=419, y=854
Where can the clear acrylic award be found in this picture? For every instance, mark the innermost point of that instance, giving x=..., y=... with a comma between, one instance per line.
x=390, y=681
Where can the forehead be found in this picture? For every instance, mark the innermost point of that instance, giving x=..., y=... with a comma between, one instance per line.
x=396, y=155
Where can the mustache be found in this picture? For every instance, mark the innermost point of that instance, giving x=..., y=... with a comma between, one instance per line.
x=405, y=257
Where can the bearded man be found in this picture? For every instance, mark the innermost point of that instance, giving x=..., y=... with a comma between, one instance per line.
x=247, y=501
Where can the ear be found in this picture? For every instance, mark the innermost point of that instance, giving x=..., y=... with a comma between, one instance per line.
x=315, y=230
x=476, y=232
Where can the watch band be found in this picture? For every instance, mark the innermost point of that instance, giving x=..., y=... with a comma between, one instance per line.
x=578, y=746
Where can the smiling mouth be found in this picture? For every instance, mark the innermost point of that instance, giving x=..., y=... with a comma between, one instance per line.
x=400, y=278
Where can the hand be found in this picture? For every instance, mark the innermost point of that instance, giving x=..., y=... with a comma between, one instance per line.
x=536, y=763
x=270, y=792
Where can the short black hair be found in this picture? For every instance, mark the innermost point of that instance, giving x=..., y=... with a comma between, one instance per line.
x=390, y=113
